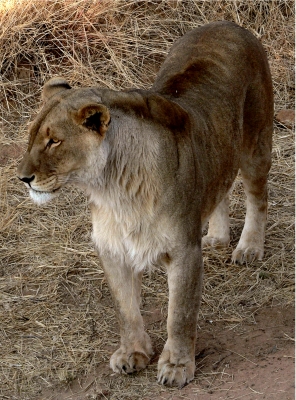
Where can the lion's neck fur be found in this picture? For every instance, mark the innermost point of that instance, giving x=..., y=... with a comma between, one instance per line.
x=131, y=158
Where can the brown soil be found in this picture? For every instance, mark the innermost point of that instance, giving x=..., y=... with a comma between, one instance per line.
x=252, y=361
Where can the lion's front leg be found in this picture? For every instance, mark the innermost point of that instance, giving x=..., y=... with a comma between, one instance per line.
x=176, y=365
x=135, y=346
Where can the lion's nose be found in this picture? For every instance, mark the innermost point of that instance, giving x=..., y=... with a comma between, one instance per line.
x=27, y=179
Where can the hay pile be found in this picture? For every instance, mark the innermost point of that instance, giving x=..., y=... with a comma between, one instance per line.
x=56, y=316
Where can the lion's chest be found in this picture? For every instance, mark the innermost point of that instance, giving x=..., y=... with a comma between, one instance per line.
x=125, y=232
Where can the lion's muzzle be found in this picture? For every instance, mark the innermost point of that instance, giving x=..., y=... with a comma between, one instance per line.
x=41, y=190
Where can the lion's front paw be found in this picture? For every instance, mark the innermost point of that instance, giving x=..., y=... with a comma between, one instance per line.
x=126, y=362
x=174, y=374
x=133, y=357
x=248, y=254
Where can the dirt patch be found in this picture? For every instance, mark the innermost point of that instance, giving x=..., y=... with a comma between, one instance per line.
x=249, y=361
x=253, y=361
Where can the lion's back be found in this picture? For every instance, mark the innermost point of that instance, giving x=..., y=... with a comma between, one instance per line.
x=217, y=54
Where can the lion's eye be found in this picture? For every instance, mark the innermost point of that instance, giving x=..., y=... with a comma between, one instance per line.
x=53, y=143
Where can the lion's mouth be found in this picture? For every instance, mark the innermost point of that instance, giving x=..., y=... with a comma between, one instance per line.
x=45, y=191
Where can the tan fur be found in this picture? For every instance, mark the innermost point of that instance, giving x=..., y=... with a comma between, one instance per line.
x=156, y=165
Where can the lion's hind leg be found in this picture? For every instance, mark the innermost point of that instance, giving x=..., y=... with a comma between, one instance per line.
x=218, y=231
x=254, y=171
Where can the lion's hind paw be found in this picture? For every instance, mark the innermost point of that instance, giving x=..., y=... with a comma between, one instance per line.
x=211, y=241
x=247, y=255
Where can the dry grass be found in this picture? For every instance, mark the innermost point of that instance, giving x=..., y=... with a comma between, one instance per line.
x=56, y=316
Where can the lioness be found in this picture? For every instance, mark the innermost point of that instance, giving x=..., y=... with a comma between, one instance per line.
x=156, y=165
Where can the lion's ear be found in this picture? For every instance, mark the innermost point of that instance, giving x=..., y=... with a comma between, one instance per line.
x=54, y=86
x=95, y=117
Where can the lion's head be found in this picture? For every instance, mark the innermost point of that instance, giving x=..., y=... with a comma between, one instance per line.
x=69, y=129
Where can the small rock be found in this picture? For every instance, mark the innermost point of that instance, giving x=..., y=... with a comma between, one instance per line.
x=286, y=117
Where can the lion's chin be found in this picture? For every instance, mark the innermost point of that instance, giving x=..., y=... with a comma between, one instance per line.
x=41, y=197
